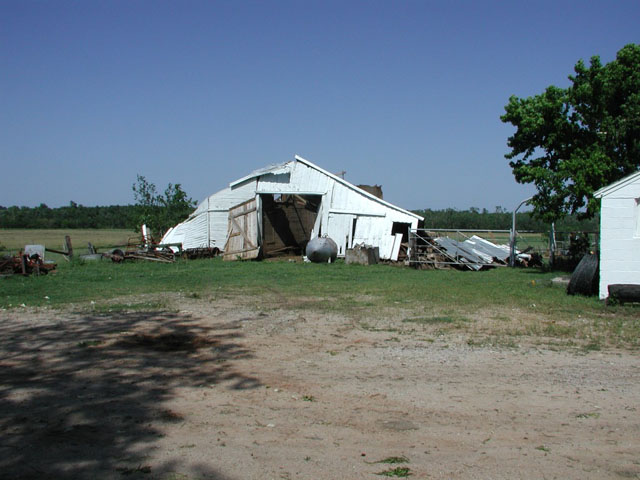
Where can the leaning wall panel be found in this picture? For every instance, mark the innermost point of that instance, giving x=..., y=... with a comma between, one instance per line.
x=196, y=235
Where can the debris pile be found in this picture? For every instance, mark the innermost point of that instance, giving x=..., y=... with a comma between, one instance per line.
x=474, y=253
x=195, y=253
x=117, y=255
x=26, y=263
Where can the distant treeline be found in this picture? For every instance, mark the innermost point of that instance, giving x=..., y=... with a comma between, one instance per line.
x=72, y=216
x=128, y=216
x=500, y=219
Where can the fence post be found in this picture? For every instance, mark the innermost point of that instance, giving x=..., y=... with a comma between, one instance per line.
x=552, y=244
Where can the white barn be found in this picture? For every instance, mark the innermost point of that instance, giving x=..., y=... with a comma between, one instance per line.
x=282, y=207
x=619, y=233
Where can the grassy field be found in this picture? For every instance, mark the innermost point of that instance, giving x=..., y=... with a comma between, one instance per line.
x=501, y=304
x=14, y=239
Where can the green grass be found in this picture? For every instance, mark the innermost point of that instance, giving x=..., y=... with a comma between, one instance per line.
x=129, y=307
x=382, y=298
x=392, y=460
x=400, y=472
x=588, y=415
x=446, y=319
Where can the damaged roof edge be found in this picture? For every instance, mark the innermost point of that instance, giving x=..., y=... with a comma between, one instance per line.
x=272, y=169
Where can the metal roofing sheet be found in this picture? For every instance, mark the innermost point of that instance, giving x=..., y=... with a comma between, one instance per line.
x=461, y=254
x=481, y=246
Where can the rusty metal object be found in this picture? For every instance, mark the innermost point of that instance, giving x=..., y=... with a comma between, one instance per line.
x=23, y=264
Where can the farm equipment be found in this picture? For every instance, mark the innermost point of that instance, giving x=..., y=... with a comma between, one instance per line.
x=30, y=261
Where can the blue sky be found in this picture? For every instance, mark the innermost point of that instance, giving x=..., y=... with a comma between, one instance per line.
x=406, y=94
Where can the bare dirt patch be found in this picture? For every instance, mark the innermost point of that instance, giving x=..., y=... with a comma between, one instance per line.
x=244, y=389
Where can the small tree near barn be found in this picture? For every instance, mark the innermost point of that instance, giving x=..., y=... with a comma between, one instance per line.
x=160, y=212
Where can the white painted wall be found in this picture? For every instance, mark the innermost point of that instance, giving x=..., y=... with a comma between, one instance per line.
x=620, y=233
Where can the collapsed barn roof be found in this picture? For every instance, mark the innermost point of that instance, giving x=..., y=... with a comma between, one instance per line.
x=281, y=207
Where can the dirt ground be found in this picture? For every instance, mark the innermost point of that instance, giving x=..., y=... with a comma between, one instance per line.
x=226, y=390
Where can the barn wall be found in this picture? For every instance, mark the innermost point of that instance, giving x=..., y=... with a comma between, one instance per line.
x=620, y=237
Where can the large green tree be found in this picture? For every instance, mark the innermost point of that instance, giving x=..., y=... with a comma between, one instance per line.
x=569, y=142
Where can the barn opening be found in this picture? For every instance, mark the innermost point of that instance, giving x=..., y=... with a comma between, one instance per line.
x=403, y=228
x=287, y=222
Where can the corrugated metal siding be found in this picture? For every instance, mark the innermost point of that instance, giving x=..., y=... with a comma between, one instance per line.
x=218, y=225
x=174, y=235
x=195, y=235
x=230, y=197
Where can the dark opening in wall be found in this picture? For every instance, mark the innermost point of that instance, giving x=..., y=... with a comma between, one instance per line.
x=287, y=221
x=403, y=228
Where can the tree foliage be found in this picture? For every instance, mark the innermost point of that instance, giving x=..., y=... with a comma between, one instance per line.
x=72, y=216
x=161, y=212
x=571, y=142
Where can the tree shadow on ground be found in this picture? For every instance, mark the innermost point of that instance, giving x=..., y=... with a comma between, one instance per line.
x=82, y=396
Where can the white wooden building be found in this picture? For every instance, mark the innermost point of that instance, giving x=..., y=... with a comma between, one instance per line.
x=620, y=233
x=282, y=207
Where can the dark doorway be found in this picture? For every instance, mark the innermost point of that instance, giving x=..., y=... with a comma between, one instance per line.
x=403, y=228
x=287, y=221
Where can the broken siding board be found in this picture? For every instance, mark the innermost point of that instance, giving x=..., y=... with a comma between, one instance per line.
x=385, y=243
x=195, y=233
x=395, y=251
